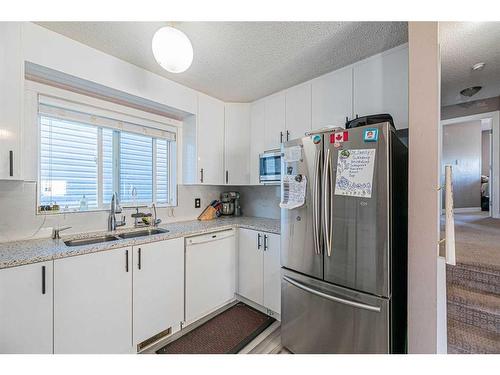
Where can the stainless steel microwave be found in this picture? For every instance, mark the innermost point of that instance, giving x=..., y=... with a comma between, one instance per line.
x=270, y=167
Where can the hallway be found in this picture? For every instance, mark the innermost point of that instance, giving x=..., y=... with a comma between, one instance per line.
x=477, y=238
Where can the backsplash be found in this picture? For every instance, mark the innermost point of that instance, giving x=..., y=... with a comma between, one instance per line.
x=19, y=220
x=260, y=201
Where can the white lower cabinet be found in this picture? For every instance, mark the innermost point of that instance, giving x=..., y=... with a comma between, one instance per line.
x=93, y=303
x=210, y=273
x=272, y=272
x=26, y=309
x=259, y=268
x=158, y=288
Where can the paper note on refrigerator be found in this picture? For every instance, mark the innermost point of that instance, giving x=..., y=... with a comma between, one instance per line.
x=293, y=191
x=292, y=154
x=355, y=173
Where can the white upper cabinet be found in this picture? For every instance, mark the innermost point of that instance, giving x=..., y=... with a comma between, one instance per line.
x=237, y=144
x=11, y=99
x=26, y=309
x=257, y=137
x=275, y=128
x=381, y=86
x=210, y=140
x=298, y=111
x=332, y=99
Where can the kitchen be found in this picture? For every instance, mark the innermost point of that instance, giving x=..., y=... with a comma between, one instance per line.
x=62, y=245
x=147, y=211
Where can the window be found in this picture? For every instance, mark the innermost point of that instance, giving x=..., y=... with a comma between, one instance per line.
x=85, y=158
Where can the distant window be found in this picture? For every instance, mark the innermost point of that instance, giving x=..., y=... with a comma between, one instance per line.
x=83, y=162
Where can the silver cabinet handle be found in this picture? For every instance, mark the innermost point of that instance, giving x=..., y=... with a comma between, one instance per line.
x=258, y=240
x=265, y=243
x=326, y=203
x=139, y=260
x=11, y=163
x=287, y=135
x=201, y=175
x=281, y=137
x=331, y=298
x=227, y=176
x=316, y=203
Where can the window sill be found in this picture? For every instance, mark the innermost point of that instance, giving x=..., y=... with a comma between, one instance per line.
x=96, y=210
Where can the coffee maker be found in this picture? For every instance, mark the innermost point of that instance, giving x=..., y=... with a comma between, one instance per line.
x=231, y=203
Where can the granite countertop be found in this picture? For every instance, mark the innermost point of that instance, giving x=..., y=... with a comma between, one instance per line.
x=17, y=253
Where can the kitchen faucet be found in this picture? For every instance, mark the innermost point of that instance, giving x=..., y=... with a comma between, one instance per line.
x=156, y=221
x=115, y=209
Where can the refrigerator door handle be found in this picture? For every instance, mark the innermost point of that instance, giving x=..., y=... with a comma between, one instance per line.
x=326, y=203
x=331, y=298
x=332, y=186
x=316, y=204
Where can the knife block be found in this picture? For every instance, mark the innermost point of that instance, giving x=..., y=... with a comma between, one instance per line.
x=208, y=213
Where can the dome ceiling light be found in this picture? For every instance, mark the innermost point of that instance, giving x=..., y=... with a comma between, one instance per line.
x=172, y=49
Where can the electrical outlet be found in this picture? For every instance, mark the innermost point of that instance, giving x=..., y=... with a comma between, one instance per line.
x=197, y=202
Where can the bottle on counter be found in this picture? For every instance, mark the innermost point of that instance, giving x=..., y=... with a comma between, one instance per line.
x=84, y=206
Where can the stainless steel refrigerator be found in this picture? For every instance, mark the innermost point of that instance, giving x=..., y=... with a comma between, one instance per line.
x=344, y=250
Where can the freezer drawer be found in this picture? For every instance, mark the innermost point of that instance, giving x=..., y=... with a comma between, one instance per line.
x=318, y=317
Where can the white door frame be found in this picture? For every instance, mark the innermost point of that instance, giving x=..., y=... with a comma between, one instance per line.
x=495, y=160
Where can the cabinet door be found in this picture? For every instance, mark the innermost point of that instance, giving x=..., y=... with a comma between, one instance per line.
x=272, y=272
x=26, y=309
x=298, y=111
x=210, y=273
x=11, y=95
x=237, y=144
x=332, y=99
x=257, y=138
x=251, y=265
x=210, y=140
x=381, y=86
x=275, y=121
x=93, y=303
x=158, y=287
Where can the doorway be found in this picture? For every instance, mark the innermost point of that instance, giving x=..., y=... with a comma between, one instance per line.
x=470, y=144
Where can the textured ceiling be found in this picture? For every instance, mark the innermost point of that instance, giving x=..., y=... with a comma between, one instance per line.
x=462, y=45
x=244, y=61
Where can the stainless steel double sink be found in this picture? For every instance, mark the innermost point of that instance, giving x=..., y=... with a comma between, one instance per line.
x=110, y=237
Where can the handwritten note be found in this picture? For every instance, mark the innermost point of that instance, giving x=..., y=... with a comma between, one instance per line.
x=355, y=173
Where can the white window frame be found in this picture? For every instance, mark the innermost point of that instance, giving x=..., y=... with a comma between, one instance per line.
x=109, y=109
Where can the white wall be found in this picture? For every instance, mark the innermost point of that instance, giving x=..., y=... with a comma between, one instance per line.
x=423, y=203
x=485, y=152
x=47, y=48
x=462, y=150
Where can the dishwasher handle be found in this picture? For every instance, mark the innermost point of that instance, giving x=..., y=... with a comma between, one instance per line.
x=215, y=236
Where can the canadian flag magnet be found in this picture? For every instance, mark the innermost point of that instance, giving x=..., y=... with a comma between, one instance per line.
x=339, y=137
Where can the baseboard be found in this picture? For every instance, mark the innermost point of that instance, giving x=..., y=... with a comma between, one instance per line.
x=463, y=210
x=258, y=307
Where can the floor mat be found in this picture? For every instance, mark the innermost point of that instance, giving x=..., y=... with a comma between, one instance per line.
x=226, y=333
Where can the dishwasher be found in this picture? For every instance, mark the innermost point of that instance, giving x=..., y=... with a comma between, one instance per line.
x=210, y=261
